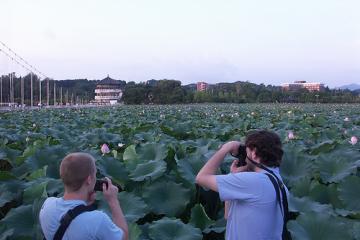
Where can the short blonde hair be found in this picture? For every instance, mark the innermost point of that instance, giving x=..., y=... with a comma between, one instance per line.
x=75, y=168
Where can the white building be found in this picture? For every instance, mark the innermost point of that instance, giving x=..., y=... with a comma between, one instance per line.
x=108, y=91
x=297, y=85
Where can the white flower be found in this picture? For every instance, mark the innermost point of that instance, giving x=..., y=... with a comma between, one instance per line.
x=121, y=145
x=27, y=139
x=353, y=140
x=34, y=125
x=346, y=119
x=291, y=135
x=105, y=149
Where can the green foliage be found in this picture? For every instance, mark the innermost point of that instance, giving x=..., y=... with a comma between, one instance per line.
x=169, y=229
x=156, y=152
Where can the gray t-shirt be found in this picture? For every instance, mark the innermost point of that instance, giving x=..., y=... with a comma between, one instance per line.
x=254, y=212
x=88, y=225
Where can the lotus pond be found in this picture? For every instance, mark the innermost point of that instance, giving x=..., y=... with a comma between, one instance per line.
x=155, y=152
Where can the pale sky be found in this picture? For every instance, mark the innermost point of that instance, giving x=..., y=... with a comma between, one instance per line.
x=262, y=41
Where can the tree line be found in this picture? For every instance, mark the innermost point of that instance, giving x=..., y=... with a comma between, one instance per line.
x=168, y=92
x=172, y=92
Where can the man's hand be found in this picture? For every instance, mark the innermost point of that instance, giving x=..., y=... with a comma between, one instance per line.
x=111, y=196
x=111, y=192
x=232, y=147
x=235, y=169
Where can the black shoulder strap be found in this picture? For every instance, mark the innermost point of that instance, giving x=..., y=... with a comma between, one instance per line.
x=69, y=216
x=285, y=208
x=273, y=181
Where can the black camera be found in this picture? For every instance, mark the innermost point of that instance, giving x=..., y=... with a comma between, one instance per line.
x=99, y=184
x=241, y=155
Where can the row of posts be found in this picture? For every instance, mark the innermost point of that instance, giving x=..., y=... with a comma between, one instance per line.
x=12, y=97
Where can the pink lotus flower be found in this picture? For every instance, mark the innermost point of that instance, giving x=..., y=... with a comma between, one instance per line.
x=353, y=140
x=291, y=135
x=105, y=149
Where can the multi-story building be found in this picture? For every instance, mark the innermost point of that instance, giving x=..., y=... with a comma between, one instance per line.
x=202, y=86
x=297, y=85
x=108, y=91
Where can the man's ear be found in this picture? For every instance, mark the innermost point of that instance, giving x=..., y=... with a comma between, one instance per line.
x=254, y=156
x=88, y=180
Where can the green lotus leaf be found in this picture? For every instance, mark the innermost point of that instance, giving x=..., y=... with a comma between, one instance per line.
x=295, y=166
x=151, y=169
x=37, y=174
x=50, y=156
x=325, y=194
x=190, y=166
x=305, y=204
x=348, y=193
x=131, y=158
x=169, y=229
x=323, y=147
x=302, y=187
x=5, y=175
x=10, y=190
x=219, y=226
x=21, y=219
x=10, y=154
x=356, y=230
x=54, y=187
x=4, y=235
x=164, y=197
x=198, y=218
x=5, y=197
x=36, y=189
x=134, y=231
x=334, y=168
x=132, y=206
x=310, y=226
x=152, y=151
x=113, y=168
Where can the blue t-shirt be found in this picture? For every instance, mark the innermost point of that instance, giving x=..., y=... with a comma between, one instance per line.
x=254, y=212
x=88, y=225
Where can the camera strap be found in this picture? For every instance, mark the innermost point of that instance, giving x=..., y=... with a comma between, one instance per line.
x=279, y=187
x=71, y=215
x=284, y=208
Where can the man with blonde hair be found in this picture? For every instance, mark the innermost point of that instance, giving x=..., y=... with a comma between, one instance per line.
x=78, y=174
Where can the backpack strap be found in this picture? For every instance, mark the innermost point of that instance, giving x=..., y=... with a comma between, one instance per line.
x=69, y=216
x=284, y=208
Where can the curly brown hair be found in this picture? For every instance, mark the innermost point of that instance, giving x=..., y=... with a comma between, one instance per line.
x=267, y=147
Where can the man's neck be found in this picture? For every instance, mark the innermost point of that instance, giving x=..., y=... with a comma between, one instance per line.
x=75, y=196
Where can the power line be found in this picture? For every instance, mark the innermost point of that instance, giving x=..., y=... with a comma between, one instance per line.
x=21, y=59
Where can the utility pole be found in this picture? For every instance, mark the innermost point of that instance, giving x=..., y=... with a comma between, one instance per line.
x=39, y=91
x=54, y=93
x=11, y=88
x=22, y=90
x=47, y=92
x=61, y=100
x=31, y=91
x=1, y=99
